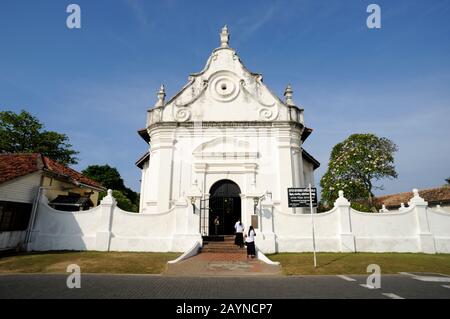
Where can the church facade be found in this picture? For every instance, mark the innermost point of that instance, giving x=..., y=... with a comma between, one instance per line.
x=226, y=148
x=227, y=145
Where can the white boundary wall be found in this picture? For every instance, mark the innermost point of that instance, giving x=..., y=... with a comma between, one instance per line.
x=417, y=228
x=11, y=239
x=108, y=228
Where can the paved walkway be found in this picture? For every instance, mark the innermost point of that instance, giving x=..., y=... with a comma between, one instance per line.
x=222, y=264
x=277, y=287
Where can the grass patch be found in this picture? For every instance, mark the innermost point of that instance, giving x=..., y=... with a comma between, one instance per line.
x=89, y=261
x=356, y=263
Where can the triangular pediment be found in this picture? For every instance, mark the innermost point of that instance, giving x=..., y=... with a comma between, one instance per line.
x=225, y=147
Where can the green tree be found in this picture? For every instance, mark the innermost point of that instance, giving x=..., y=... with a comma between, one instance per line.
x=355, y=164
x=110, y=178
x=23, y=133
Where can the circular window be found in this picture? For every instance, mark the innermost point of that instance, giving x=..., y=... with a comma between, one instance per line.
x=224, y=88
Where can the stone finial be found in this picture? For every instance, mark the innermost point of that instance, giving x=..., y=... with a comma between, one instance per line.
x=288, y=93
x=224, y=37
x=341, y=201
x=416, y=200
x=108, y=199
x=161, y=96
x=384, y=209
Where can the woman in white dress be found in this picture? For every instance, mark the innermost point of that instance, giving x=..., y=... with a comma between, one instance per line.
x=250, y=242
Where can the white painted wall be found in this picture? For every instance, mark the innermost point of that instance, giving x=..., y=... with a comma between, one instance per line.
x=108, y=228
x=440, y=227
x=11, y=239
x=22, y=189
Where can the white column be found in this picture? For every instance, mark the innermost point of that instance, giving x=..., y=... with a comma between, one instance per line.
x=103, y=236
x=347, y=239
x=298, y=174
x=186, y=227
x=246, y=210
x=143, y=187
x=285, y=173
x=164, y=147
x=425, y=237
x=268, y=242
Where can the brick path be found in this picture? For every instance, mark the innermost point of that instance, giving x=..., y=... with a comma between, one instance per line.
x=222, y=259
x=221, y=264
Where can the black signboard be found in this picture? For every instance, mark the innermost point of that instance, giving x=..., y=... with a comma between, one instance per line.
x=299, y=197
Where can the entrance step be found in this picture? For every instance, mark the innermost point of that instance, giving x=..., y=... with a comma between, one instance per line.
x=218, y=238
x=223, y=250
x=221, y=244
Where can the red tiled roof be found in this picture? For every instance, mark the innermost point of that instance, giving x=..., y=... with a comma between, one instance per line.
x=438, y=195
x=16, y=165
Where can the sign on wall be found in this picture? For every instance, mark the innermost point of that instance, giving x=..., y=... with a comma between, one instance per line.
x=255, y=221
x=299, y=197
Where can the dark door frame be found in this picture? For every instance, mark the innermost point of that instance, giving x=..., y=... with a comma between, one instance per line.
x=224, y=202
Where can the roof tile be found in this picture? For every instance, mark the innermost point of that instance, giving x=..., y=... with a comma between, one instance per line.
x=16, y=165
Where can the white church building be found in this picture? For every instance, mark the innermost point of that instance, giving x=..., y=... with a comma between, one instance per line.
x=224, y=141
x=226, y=148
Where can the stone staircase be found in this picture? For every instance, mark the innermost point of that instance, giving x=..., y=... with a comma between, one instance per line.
x=221, y=244
x=219, y=256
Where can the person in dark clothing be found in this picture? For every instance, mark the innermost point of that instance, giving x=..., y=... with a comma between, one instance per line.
x=216, y=225
x=239, y=239
x=250, y=242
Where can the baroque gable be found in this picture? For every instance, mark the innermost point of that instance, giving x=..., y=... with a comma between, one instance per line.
x=224, y=91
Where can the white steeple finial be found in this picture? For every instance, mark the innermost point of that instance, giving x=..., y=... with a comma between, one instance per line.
x=288, y=95
x=161, y=96
x=224, y=37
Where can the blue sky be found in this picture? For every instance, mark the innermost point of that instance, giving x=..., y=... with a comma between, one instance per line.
x=95, y=84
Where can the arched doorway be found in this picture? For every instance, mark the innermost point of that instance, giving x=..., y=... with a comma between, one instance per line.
x=224, y=203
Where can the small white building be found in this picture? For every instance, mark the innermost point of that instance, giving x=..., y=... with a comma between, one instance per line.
x=223, y=141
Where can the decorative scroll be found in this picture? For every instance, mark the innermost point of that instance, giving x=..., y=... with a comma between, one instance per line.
x=182, y=115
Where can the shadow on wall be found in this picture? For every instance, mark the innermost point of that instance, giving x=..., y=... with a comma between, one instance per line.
x=62, y=230
x=108, y=228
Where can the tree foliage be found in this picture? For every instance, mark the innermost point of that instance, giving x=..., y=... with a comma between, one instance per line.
x=110, y=178
x=123, y=202
x=23, y=133
x=355, y=164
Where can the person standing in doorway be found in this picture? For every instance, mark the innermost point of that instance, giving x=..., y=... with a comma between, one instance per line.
x=216, y=225
x=239, y=239
x=250, y=242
